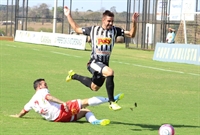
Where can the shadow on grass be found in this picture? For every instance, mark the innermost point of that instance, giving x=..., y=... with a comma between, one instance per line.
x=39, y=118
x=152, y=127
x=147, y=126
x=143, y=126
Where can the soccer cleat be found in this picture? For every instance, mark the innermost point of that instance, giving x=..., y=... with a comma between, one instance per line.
x=70, y=74
x=119, y=97
x=114, y=106
x=103, y=122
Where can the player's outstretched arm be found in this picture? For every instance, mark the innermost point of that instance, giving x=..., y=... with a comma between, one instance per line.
x=73, y=24
x=132, y=32
x=21, y=114
x=56, y=100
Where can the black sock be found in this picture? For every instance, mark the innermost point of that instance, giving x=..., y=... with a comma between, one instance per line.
x=110, y=87
x=83, y=79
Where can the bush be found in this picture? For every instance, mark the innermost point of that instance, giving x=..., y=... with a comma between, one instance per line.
x=30, y=29
x=45, y=30
x=2, y=32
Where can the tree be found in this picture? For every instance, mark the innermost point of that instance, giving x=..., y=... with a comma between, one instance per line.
x=93, y=16
x=33, y=13
x=89, y=10
x=102, y=9
x=113, y=9
x=43, y=10
x=76, y=11
x=59, y=13
x=59, y=10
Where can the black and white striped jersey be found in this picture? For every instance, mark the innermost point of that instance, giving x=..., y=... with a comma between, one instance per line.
x=102, y=41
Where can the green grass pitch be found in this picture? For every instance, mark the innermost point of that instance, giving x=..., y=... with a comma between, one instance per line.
x=165, y=92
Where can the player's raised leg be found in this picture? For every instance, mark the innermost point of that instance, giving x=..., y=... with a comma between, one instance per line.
x=94, y=101
x=69, y=76
x=83, y=79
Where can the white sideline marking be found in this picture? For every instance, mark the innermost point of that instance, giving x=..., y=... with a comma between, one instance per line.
x=161, y=69
x=11, y=45
x=193, y=74
x=35, y=49
x=127, y=63
x=66, y=54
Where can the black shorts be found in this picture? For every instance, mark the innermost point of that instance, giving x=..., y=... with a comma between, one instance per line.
x=95, y=68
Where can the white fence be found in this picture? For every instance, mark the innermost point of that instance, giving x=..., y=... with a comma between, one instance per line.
x=52, y=39
x=181, y=53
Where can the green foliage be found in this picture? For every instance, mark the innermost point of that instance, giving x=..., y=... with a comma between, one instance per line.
x=30, y=29
x=45, y=30
x=163, y=96
x=59, y=29
x=2, y=31
x=93, y=16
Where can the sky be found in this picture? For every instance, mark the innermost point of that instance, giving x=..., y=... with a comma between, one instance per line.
x=199, y=5
x=82, y=5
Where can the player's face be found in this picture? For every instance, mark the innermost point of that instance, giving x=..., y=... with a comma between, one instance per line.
x=107, y=22
x=43, y=84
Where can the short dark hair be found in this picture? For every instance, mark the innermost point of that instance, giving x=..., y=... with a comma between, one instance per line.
x=108, y=13
x=37, y=82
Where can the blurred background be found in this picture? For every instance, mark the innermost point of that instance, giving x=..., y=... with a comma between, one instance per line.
x=156, y=16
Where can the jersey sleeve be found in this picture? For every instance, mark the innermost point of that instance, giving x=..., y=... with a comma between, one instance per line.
x=36, y=100
x=28, y=106
x=120, y=32
x=87, y=30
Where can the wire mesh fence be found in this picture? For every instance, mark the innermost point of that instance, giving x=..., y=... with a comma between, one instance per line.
x=152, y=26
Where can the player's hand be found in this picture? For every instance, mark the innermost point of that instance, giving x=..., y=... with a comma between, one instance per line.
x=15, y=116
x=66, y=11
x=135, y=17
x=65, y=107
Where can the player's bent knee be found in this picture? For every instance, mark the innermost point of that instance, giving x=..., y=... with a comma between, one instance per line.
x=84, y=103
x=108, y=72
x=95, y=87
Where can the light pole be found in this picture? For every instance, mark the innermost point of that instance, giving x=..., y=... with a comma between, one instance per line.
x=55, y=16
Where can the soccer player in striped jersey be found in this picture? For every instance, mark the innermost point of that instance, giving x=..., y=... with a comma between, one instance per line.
x=102, y=39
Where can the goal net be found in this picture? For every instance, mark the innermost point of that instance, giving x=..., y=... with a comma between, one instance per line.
x=189, y=29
